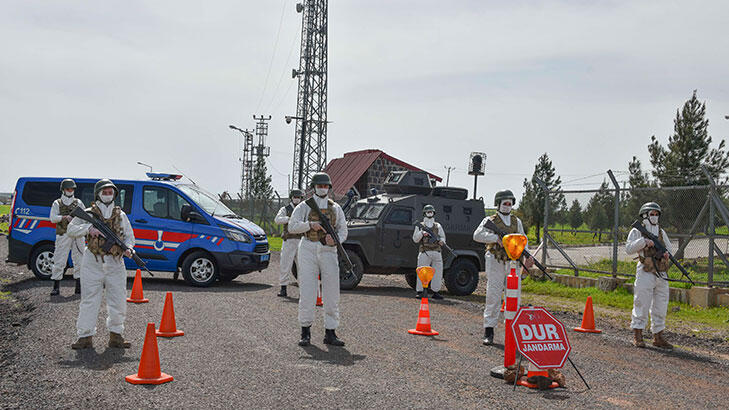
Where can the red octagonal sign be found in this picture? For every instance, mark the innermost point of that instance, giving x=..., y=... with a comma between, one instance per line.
x=540, y=337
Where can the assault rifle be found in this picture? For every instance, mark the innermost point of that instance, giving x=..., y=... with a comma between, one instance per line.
x=433, y=238
x=111, y=237
x=660, y=250
x=329, y=229
x=490, y=225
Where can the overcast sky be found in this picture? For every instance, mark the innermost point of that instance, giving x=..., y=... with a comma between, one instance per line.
x=87, y=89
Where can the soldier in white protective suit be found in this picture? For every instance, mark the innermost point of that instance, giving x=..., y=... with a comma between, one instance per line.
x=430, y=251
x=650, y=294
x=497, y=262
x=318, y=256
x=290, y=241
x=61, y=216
x=103, y=272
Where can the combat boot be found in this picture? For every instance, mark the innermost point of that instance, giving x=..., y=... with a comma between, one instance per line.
x=83, y=343
x=56, y=288
x=330, y=338
x=419, y=295
x=488, y=336
x=659, y=341
x=77, y=291
x=638, y=338
x=117, y=340
x=282, y=293
x=305, y=336
x=437, y=296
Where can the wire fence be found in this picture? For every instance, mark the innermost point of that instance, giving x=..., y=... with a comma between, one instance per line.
x=259, y=211
x=584, y=232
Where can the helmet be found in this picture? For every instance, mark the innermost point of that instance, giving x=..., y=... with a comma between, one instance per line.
x=428, y=208
x=68, y=183
x=505, y=194
x=296, y=192
x=320, y=178
x=104, y=183
x=649, y=206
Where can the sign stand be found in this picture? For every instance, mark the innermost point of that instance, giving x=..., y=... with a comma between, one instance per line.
x=578, y=372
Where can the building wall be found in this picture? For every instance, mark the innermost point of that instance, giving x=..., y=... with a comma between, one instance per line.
x=376, y=174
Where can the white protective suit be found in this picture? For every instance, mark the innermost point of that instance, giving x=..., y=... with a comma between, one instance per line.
x=97, y=275
x=65, y=243
x=288, y=250
x=496, y=271
x=314, y=259
x=650, y=294
x=430, y=258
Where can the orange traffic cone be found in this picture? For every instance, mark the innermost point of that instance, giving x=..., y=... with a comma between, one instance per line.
x=588, y=319
x=318, y=293
x=149, y=371
x=535, y=371
x=423, y=325
x=503, y=304
x=137, y=293
x=168, y=327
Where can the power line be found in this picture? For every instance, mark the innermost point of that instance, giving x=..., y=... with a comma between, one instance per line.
x=273, y=55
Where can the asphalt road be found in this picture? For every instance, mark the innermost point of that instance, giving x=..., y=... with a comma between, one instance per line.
x=240, y=350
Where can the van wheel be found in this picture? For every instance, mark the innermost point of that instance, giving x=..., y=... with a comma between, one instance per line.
x=462, y=277
x=348, y=280
x=199, y=269
x=41, y=261
x=411, y=279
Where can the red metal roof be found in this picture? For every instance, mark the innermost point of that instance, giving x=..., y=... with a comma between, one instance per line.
x=345, y=171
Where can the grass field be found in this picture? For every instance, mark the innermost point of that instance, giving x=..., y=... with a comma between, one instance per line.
x=274, y=243
x=4, y=210
x=696, y=268
x=623, y=300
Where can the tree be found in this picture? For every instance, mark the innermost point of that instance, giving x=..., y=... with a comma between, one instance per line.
x=261, y=182
x=679, y=163
x=532, y=202
x=636, y=195
x=575, y=215
x=599, y=210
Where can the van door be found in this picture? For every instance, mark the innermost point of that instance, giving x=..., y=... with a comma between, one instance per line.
x=160, y=233
x=397, y=238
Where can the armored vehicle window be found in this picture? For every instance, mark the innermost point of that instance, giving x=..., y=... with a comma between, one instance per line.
x=400, y=216
x=162, y=202
x=366, y=211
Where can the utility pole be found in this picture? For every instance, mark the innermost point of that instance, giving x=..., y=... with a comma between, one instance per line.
x=246, y=161
x=449, y=169
x=261, y=150
x=310, y=146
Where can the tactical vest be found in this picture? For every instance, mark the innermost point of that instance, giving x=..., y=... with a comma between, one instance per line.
x=64, y=210
x=94, y=245
x=495, y=249
x=318, y=236
x=649, y=265
x=286, y=235
x=426, y=246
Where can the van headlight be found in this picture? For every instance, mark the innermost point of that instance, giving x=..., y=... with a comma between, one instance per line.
x=237, y=236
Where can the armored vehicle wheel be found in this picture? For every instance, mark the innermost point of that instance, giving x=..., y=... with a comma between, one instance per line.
x=411, y=279
x=350, y=281
x=462, y=277
x=199, y=269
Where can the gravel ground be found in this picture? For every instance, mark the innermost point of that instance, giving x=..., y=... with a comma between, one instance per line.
x=239, y=350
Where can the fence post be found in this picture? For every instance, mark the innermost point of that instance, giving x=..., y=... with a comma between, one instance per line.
x=545, y=188
x=616, y=222
x=712, y=233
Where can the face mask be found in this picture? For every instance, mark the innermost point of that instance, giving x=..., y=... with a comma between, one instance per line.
x=653, y=219
x=429, y=214
x=322, y=192
x=68, y=193
x=106, y=199
x=295, y=201
x=505, y=209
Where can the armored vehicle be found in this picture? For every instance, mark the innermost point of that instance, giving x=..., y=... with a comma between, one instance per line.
x=381, y=230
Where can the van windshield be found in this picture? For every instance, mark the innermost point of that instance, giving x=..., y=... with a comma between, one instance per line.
x=207, y=201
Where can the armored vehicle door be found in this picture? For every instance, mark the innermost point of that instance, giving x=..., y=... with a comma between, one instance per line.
x=398, y=248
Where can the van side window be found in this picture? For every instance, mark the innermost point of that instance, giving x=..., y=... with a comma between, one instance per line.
x=162, y=202
x=40, y=193
x=85, y=192
x=400, y=216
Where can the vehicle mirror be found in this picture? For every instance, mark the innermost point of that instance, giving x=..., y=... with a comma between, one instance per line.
x=196, y=217
x=185, y=212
